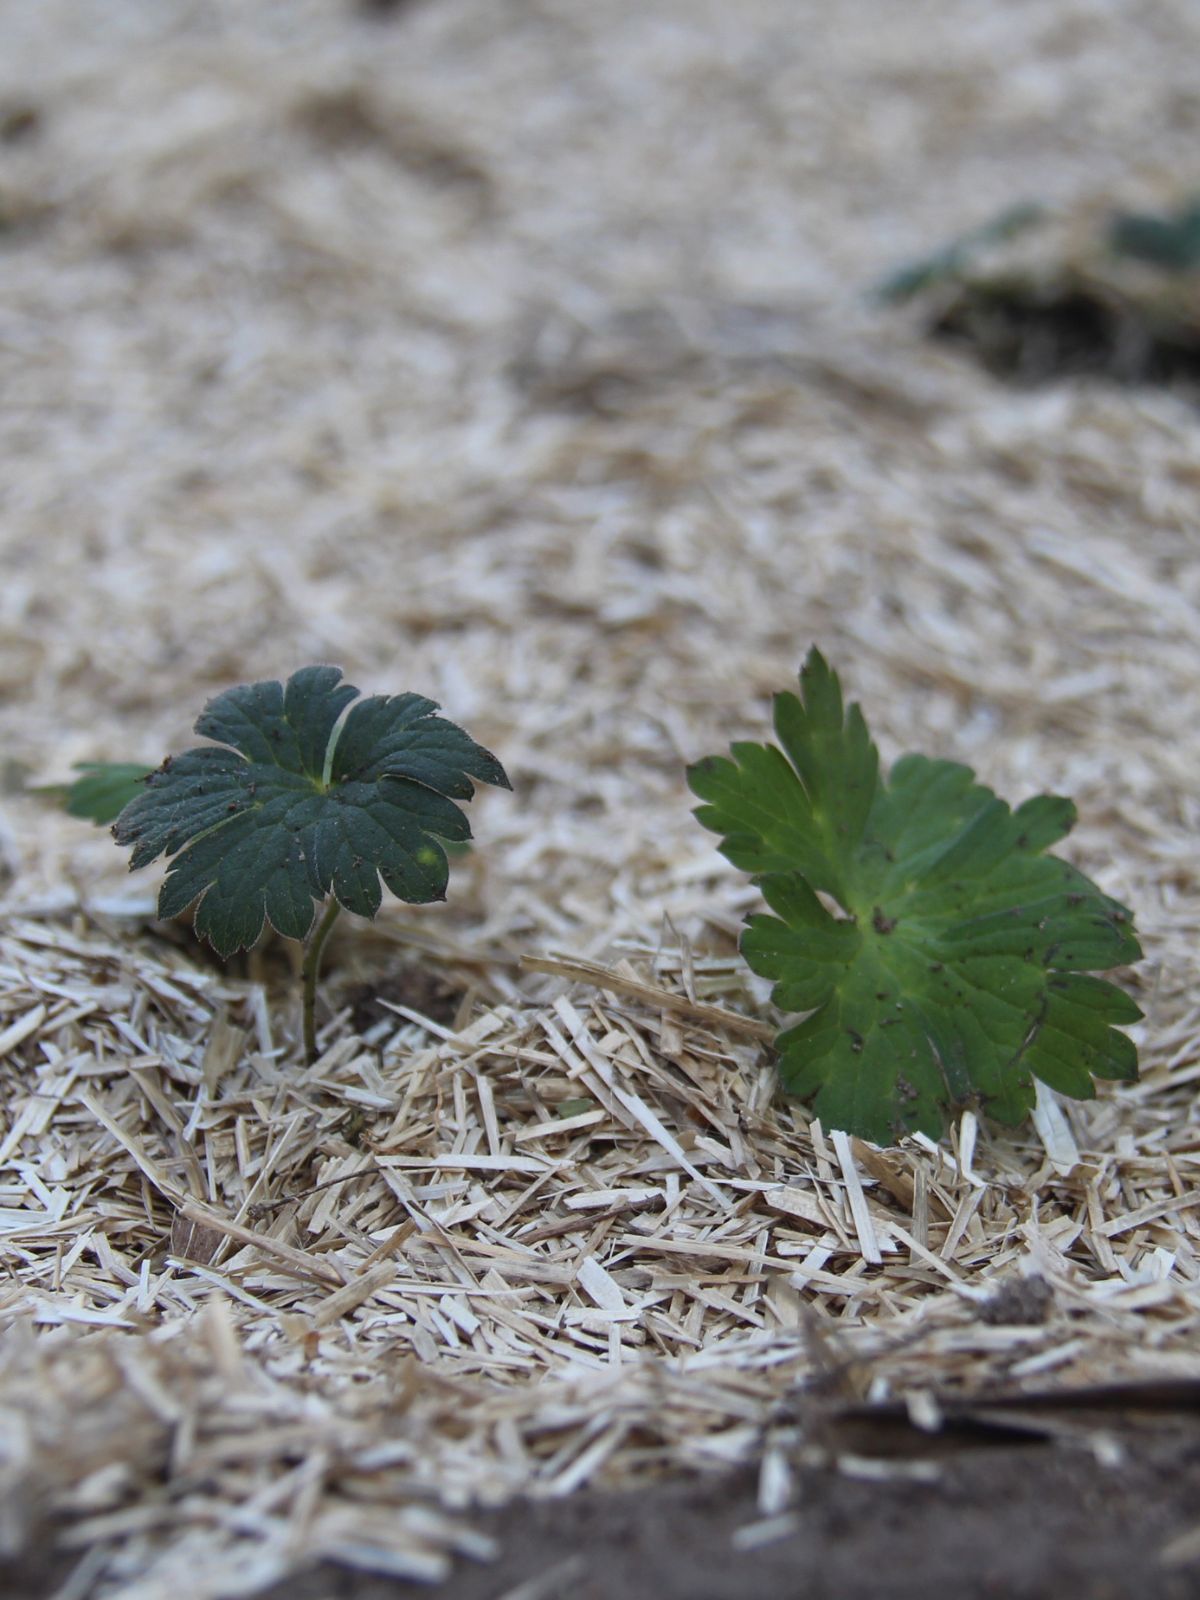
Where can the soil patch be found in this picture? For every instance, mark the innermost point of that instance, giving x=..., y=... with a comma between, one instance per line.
x=1032, y=335
x=1021, y=1521
x=433, y=994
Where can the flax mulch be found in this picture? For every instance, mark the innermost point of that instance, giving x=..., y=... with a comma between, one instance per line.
x=518, y=355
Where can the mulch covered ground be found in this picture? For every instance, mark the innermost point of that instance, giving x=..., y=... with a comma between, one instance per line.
x=521, y=355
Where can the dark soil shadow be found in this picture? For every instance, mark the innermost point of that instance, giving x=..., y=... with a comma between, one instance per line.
x=1033, y=335
x=418, y=985
x=1010, y=1521
x=1020, y=1522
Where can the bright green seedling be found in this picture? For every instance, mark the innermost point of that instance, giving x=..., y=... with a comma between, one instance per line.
x=308, y=794
x=101, y=792
x=941, y=955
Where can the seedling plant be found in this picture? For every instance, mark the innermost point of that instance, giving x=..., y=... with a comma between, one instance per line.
x=309, y=800
x=939, y=955
x=935, y=953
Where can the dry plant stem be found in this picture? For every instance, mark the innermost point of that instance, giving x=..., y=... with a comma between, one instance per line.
x=314, y=948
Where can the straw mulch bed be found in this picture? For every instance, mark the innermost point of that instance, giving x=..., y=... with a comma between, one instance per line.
x=523, y=364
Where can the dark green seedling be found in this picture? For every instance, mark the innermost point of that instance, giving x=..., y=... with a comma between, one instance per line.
x=101, y=792
x=309, y=794
x=942, y=957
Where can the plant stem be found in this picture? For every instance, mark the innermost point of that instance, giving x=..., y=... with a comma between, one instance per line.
x=314, y=948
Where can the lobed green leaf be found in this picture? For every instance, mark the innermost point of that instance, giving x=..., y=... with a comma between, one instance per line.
x=310, y=791
x=951, y=970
